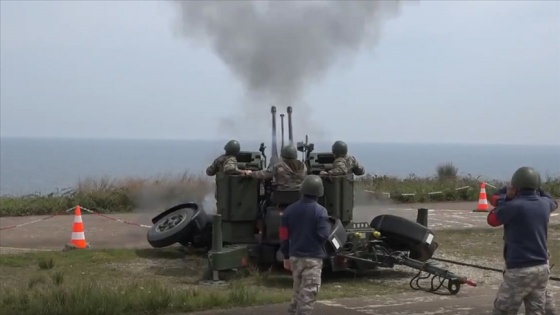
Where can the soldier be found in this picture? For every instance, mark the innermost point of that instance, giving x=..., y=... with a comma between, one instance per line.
x=304, y=230
x=506, y=194
x=226, y=163
x=525, y=218
x=288, y=173
x=343, y=163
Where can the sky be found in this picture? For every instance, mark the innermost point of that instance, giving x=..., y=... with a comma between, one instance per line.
x=442, y=72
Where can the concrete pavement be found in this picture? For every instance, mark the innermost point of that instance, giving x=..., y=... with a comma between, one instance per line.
x=101, y=232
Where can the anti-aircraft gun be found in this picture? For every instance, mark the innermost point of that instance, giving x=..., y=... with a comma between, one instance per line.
x=246, y=226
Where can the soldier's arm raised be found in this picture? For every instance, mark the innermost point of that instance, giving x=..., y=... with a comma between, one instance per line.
x=213, y=168
x=502, y=214
x=339, y=167
x=357, y=168
x=230, y=166
x=551, y=200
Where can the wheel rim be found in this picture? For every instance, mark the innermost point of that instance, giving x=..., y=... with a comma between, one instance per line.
x=171, y=222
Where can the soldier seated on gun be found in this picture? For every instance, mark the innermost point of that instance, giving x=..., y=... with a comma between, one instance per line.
x=287, y=173
x=226, y=163
x=507, y=193
x=343, y=164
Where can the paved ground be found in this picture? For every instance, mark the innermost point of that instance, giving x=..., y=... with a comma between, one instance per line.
x=101, y=232
x=469, y=301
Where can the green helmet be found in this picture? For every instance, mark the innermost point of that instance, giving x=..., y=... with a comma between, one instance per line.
x=526, y=178
x=339, y=148
x=289, y=152
x=232, y=147
x=312, y=185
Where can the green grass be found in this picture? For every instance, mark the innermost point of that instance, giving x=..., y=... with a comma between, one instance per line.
x=147, y=282
x=166, y=281
x=127, y=194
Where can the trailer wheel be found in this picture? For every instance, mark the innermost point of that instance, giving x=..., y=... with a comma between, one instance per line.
x=453, y=286
x=172, y=228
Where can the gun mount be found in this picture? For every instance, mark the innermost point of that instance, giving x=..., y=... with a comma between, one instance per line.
x=246, y=227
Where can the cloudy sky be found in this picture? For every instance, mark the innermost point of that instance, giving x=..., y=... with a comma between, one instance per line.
x=442, y=71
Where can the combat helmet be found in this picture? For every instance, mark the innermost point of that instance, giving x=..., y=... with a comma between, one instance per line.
x=312, y=185
x=289, y=152
x=232, y=147
x=339, y=148
x=526, y=178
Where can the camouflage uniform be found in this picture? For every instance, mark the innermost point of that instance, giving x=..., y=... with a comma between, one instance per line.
x=288, y=173
x=549, y=307
x=344, y=164
x=286, y=178
x=225, y=164
x=523, y=285
x=306, y=273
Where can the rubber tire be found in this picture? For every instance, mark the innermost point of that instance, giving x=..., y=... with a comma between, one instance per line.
x=176, y=234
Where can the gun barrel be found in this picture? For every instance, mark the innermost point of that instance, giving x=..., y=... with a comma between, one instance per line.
x=282, y=127
x=274, y=149
x=290, y=130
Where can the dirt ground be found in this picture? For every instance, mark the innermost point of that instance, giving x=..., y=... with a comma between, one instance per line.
x=470, y=301
x=100, y=232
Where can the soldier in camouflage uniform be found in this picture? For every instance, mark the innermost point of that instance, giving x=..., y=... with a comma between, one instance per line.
x=288, y=173
x=226, y=163
x=304, y=230
x=343, y=164
x=525, y=218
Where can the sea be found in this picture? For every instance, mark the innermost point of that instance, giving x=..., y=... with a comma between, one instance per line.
x=43, y=166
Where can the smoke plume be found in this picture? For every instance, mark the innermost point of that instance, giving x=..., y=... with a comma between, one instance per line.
x=279, y=48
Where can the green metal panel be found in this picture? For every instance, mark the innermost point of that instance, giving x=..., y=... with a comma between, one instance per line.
x=339, y=197
x=237, y=197
x=347, y=200
x=239, y=232
x=229, y=257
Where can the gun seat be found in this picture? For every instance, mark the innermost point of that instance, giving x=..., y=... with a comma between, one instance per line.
x=284, y=198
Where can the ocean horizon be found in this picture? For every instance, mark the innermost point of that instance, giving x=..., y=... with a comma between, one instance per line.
x=45, y=165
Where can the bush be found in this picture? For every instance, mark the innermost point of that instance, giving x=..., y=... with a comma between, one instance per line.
x=447, y=172
x=112, y=195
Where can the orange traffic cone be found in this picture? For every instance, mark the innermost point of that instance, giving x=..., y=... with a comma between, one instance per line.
x=78, y=237
x=482, y=200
